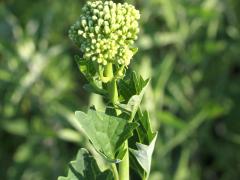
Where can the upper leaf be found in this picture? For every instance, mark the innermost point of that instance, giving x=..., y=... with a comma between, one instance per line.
x=131, y=85
x=107, y=133
x=133, y=94
x=88, y=69
x=85, y=167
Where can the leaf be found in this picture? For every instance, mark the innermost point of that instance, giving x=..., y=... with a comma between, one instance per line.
x=145, y=138
x=169, y=119
x=145, y=133
x=94, y=88
x=86, y=67
x=131, y=85
x=135, y=100
x=106, y=133
x=139, y=82
x=85, y=167
x=88, y=70
x=143, y=155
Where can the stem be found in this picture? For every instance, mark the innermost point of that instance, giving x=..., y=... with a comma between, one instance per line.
x=112, y=87
x=112, y=84
x=108, y=71
x=113, y=96
x=124, y=165
x=115, y=172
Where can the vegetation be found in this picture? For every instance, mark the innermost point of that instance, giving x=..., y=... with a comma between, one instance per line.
x=190, y=49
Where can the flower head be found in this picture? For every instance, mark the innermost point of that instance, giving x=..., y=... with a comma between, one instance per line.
x=106, y=32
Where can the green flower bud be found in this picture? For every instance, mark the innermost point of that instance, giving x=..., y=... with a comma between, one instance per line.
x=106, y=32
x=94, y=17
x=84, y=22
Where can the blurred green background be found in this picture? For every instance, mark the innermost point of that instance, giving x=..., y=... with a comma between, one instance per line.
x=190, y=48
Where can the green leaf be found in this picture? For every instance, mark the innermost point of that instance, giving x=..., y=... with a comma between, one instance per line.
x=86, y=67
x=143, y=156
x=145, y=138
x=145, y=133
x=106, y=133
x=94, y=88
x=169, y=119
x=88, y=70
x=131, y=85
x=139, y=82
x=135, y=100
x=85, y=167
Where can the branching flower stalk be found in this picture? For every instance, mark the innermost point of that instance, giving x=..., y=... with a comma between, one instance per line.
x=105, y=34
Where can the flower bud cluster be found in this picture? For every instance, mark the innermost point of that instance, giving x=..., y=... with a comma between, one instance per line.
x=106, y=32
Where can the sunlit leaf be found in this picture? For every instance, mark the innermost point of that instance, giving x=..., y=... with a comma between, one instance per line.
x=143, y=155
x=106, y=133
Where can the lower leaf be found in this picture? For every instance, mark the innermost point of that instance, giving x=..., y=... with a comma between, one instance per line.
x=106, y=133
x=85, y=167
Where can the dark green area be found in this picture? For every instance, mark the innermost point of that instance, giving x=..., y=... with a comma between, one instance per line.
x=190, y=48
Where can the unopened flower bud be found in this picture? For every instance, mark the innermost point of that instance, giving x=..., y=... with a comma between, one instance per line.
x=106, y=32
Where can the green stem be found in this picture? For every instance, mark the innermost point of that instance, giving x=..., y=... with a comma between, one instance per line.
x=108, y=71
x=124, y=165
x=113, y=96
x=115, y=171
x=112, y=84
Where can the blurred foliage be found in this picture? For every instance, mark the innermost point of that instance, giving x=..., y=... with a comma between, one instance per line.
x=190, y=48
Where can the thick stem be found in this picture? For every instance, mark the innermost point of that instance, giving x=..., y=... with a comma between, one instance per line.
x=113, y=96
x=108, y=72
x=111, y=85
x=124, y=165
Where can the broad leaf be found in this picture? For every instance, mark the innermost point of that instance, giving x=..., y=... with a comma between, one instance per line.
x=143, y=156
x=85, y=167
x=106, y=133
